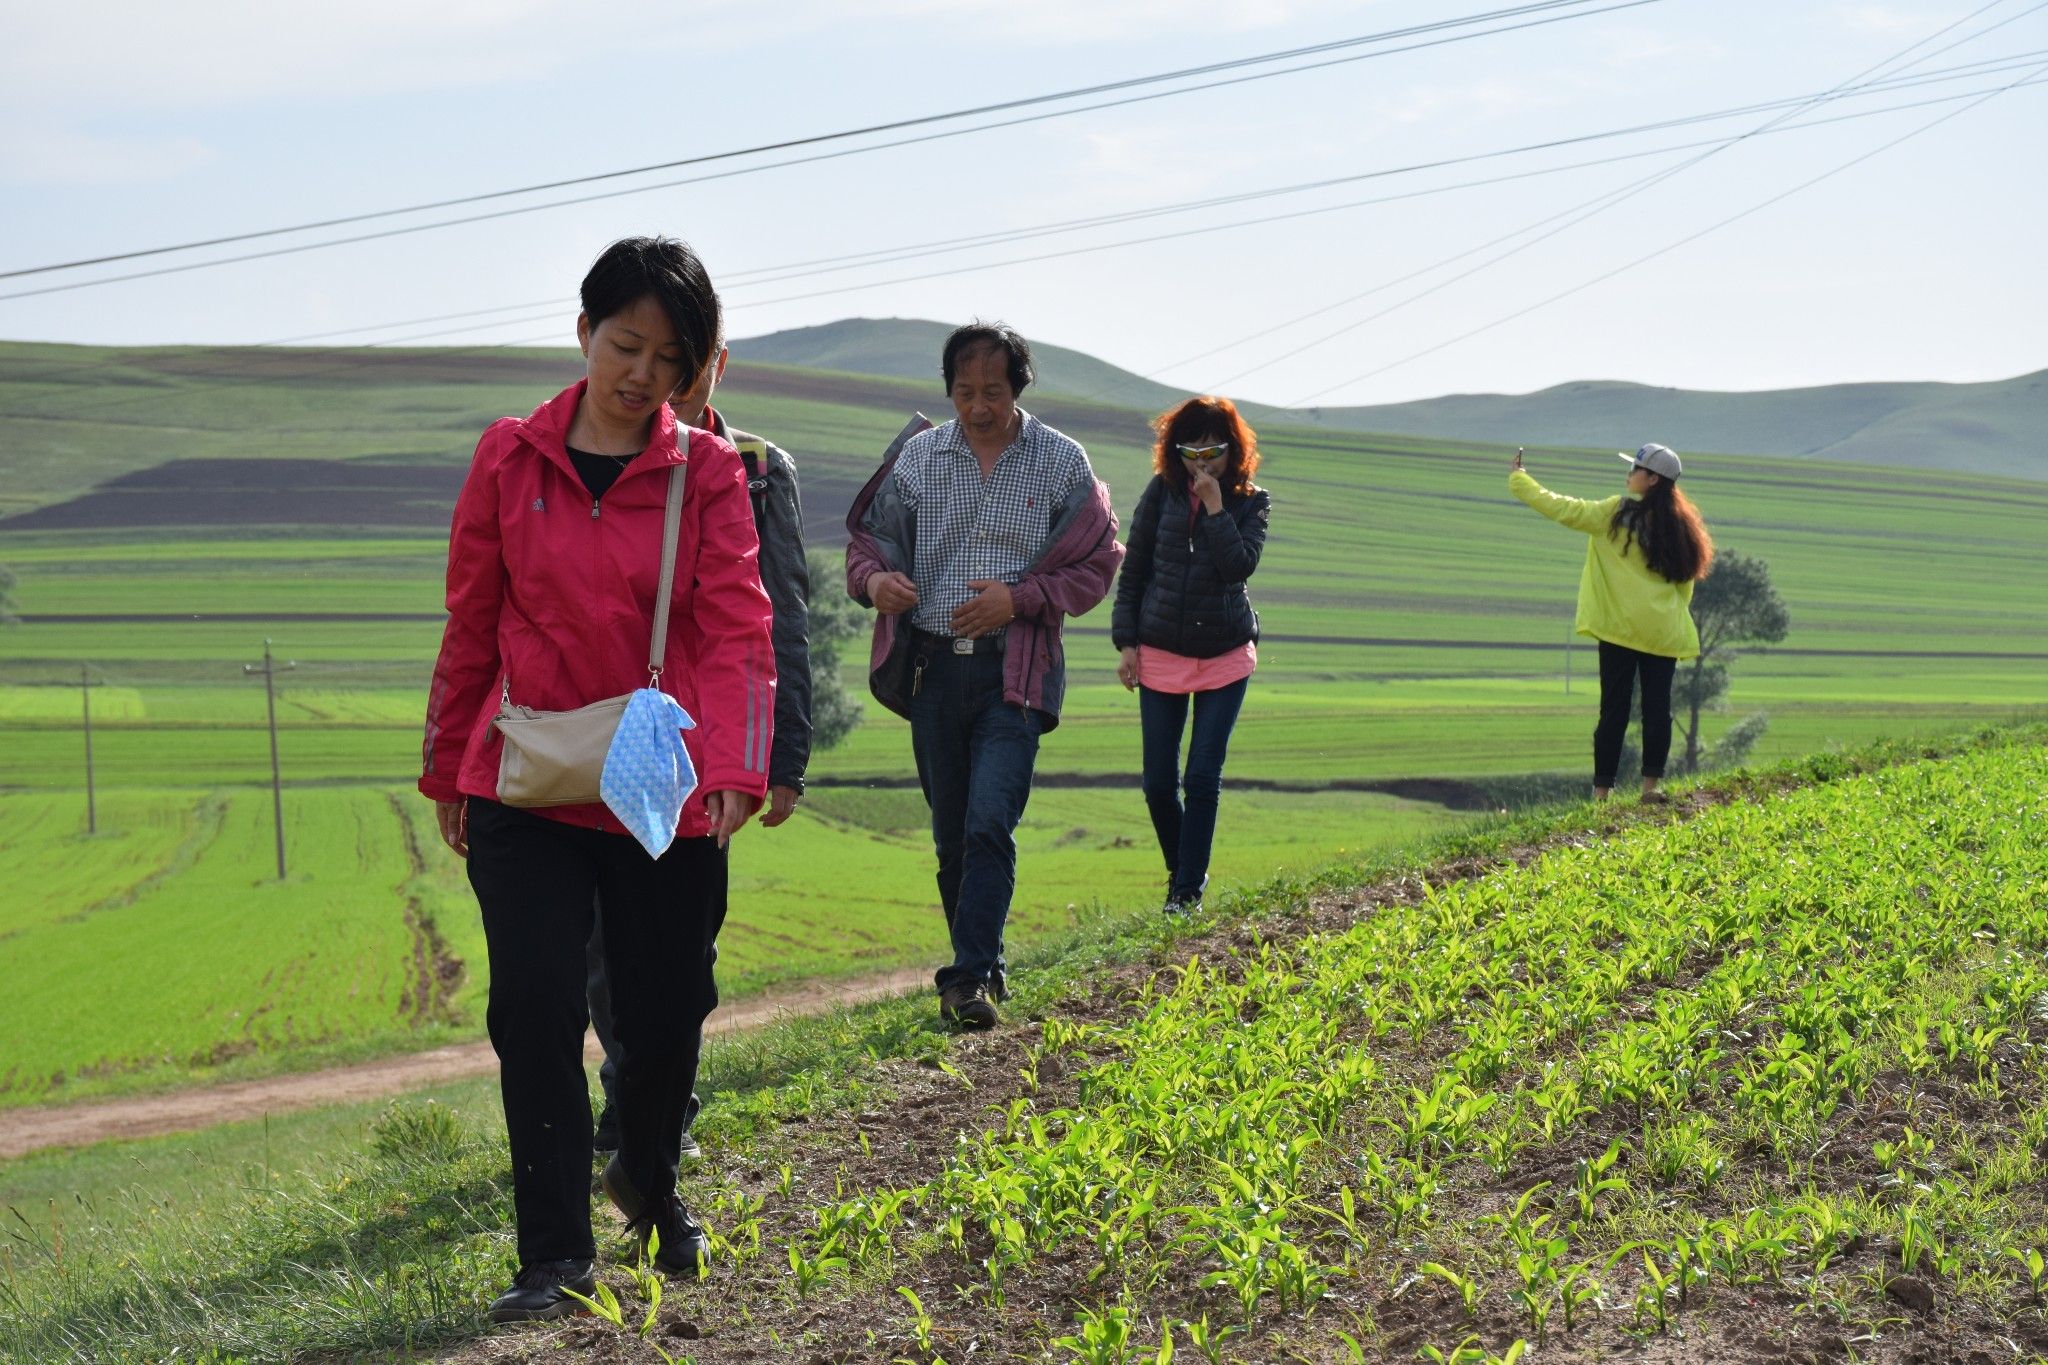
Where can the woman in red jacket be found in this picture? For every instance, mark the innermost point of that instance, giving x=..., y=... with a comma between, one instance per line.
x=553, y=564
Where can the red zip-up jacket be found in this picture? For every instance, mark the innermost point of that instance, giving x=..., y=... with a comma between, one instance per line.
x=551, y=597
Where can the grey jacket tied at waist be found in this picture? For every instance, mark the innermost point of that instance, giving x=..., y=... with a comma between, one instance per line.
x=779, y=518
x=1071, y=573
x=1183, y=583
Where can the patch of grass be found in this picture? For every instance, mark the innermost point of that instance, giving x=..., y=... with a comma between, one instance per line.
x=192, y=960
x=400, y=1252
x=214, y=970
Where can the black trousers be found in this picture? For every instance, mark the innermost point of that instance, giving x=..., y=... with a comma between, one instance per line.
x=598, y=991
x=1620, y=666
x=539, y=883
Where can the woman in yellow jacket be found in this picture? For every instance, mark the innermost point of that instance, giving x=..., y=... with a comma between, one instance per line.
x=1644, y=550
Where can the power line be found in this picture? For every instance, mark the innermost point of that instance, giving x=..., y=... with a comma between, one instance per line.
x=358, y=361
x=1973, y=70
x=1206, y=87
x=1671, y=246
x=1860, y=82
x=769, y=275
x=1078, y=92
x=1602, y=203
x=888, y=255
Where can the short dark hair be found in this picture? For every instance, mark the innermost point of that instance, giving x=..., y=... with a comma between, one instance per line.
x=669, y=272
x=978, y=336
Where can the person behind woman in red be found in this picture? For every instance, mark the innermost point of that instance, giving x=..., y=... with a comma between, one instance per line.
x=1184, y=624
x=553, y=562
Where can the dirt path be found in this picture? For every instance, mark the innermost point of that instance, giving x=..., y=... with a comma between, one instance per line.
x=74, y=1125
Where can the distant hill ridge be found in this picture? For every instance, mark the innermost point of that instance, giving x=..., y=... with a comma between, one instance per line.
x=1996, y=427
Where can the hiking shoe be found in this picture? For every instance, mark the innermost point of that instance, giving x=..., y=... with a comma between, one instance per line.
x=605, y=1137
x=541, y=1290
x=688, y=1150
x=967, y=1004
x=1656, y=799
x=680, y=1246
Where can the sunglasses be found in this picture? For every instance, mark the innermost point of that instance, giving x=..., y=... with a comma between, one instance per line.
x=1204, y=453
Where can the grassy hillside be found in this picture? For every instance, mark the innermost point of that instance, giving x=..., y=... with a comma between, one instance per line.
x=1989, y=428
x=168, y=520
x=1746, y=1080
x=908, y=348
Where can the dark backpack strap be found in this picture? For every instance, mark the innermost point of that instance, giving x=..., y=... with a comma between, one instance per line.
x=753, y=453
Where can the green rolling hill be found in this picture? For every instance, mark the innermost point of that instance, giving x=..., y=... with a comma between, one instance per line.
x=1987, y=428
x=166, y=510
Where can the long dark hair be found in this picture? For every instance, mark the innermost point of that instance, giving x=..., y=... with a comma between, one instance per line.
x=1206, y=418
x=1669, y=529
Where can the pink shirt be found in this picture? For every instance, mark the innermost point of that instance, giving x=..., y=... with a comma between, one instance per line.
x=1164, y=671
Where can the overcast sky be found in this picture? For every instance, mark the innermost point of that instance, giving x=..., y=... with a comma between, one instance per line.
x=128, y=125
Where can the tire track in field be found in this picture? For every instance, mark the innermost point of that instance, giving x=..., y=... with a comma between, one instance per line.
x=209, y=819
x=40, y=1127
x=436, y=972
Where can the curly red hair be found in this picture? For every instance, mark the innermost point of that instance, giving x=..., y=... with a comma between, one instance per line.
x=1206, y=420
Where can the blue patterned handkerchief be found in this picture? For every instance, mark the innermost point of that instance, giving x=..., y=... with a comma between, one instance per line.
x=647, y=771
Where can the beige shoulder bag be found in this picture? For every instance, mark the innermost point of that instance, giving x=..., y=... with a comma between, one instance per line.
x=556, y=758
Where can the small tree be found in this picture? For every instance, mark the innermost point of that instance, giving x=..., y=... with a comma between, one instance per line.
x=1734, y=605
x=835, y=619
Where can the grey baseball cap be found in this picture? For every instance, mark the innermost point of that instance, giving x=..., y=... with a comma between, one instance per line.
x=1657, y=459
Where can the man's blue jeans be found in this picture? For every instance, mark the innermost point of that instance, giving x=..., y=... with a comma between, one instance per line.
x=974, y=754
x=1186, y=831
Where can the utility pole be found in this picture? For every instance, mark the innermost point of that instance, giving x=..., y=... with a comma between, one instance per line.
x=92, y=823
x=270, y=672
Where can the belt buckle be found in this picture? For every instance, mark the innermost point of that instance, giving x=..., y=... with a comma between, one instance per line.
x=962, y=645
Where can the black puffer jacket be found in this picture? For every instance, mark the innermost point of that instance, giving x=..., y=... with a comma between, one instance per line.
x=1182, y=587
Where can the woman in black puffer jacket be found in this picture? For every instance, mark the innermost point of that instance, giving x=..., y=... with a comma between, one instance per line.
x=1185, y=625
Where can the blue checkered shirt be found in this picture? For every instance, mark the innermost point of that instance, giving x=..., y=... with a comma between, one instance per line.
x=971, y=528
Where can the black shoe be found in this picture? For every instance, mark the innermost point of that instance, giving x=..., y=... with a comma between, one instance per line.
x=680, y=1246
x=967, y=1004
x=541, y=1290
x=688, y=1149
x=605, y=1138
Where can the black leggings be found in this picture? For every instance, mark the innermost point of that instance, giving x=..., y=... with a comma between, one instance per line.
x=1619, y=666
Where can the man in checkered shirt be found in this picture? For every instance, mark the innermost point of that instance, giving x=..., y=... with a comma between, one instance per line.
x=981, y=498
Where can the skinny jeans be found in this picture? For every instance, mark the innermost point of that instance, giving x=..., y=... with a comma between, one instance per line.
x=542, y=885
x=1183, y=802
x=1620, y=667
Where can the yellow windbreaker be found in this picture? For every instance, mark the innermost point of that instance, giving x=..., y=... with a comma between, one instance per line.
x=1621, y=599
